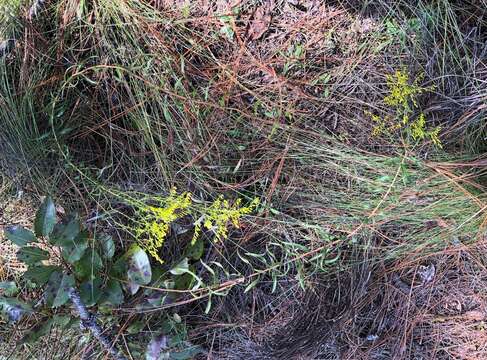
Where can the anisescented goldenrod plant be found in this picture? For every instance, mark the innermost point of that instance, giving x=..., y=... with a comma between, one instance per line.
x=154, y=221
x=402, y=97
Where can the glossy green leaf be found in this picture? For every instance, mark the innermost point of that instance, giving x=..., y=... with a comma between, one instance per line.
x=9, y=288
x=139, y=268
x=91, y=291
x=32, y=255
x=62, y=294
x=89, y=265
x=181, y=268
x=45, y=218
x=112, y=293
x=74, y=250
x=40, y=274
x=19, y=235
x=65, y=231
x=12, y=309
x=107, y=245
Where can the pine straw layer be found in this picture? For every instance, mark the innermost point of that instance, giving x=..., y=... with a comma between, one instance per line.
x=433, y=309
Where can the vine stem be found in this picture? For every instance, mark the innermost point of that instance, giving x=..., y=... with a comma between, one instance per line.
x=88, y=321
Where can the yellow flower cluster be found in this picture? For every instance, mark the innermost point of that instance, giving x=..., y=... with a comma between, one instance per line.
x=155, y=222
x=403, y=98
x=220, y=214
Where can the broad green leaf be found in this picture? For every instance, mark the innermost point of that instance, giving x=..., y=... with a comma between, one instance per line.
x=112, y=293
x=19, y=235
x=13, y=309
x=74, y=250
x=32, y=255
x=52, y=287
x=90, y=291
x=62, y=294
x=107, y=245
x=40, y=274
x=195, y=251
x=9, y=288
x=180, y=268
x=65, y=232
x=45, y=218
x=89, y=265
x=139, y=269
x=44, y=328
x=119, y=268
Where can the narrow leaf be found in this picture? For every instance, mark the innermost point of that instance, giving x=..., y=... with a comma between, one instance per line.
x=45, y=218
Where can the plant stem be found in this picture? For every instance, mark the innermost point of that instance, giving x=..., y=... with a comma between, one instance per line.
x=89, y=322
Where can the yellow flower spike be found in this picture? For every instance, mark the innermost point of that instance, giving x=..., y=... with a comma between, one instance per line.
x=402, y=98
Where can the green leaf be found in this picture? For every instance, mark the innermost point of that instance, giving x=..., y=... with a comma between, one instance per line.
x=9, y=288
x=62, y=294
x=195, y=251
x=52, y=287
x=40, y=274
x=65, y=231
x=180, y=268
x=135, y=327
x=139, y=269
x=90, y=291
x=74, y=250
x=13, y=309
x=251, y=285
x=19, y=235
x=89, y=265
x=112, y=293
x=45, y=218
x=32, y=255
x=107, y=245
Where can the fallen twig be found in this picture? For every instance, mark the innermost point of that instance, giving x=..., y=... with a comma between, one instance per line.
x=89, y=322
